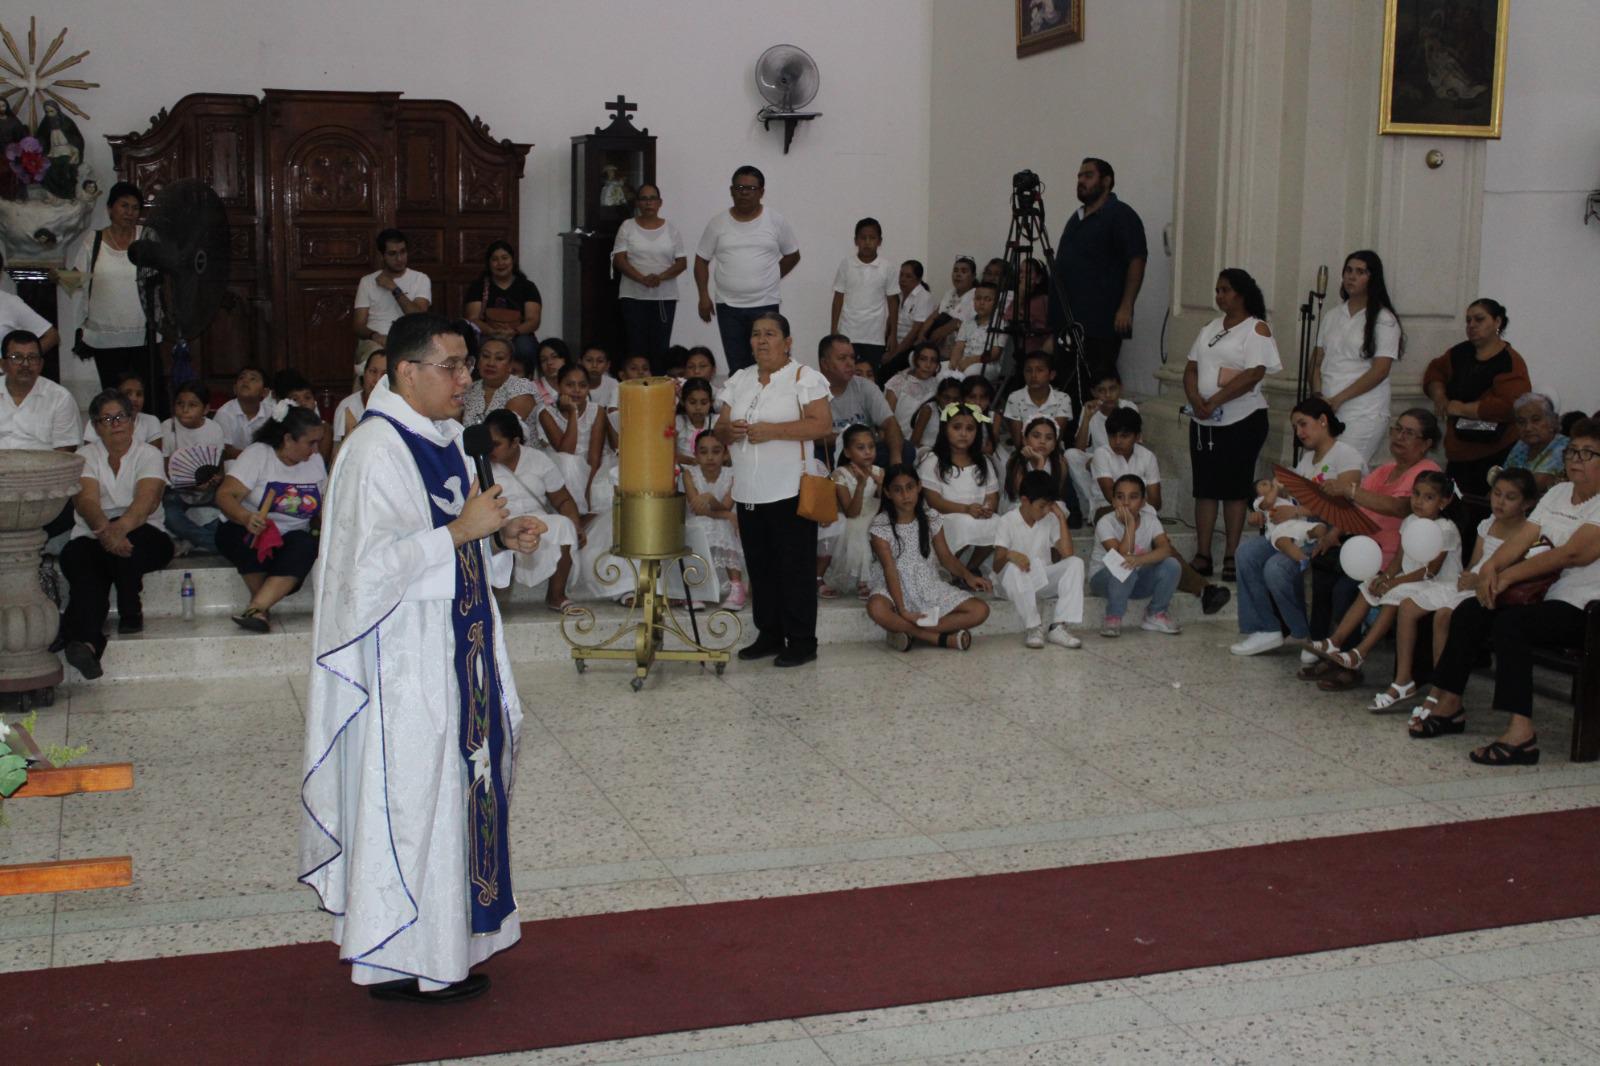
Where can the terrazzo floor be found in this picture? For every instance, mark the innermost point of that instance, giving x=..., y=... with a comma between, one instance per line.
x=872, y=767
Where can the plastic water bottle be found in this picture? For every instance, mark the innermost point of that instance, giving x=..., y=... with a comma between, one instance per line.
x=186, y=595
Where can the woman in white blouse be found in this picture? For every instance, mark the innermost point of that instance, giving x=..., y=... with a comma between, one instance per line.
x=497, y=386
x=771, y=413
x=1356, y=349
x=648, y=257
x=1222, y=380
x=119, y=535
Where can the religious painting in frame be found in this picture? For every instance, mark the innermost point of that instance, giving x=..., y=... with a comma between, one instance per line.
x=1046, y=24
x=1444, y=65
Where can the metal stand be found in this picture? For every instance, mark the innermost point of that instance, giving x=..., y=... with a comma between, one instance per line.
x=650, y=533
x=1310, y=323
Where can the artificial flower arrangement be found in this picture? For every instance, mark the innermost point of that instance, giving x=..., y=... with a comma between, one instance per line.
x=27, y=160
x=14, y=764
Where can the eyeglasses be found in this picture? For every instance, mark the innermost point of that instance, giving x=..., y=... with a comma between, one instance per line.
x=1404, y=432
x=1580, y=455
x=453, y=368
x=112, y=421
x=25, y=360
x=746, y=188
x=655, y=199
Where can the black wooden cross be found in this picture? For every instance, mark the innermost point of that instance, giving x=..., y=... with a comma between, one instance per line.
x=620, y=107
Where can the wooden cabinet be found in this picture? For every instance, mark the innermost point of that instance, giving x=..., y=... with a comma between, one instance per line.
x=308, y=180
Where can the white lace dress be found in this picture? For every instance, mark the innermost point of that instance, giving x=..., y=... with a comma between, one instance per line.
x=922, y=583
x=852, y=557
x=720, y=533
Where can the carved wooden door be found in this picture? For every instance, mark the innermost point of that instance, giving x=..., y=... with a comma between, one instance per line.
x=329, y=151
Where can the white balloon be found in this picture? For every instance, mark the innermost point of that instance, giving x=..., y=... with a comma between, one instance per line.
x=1422, y=541
x=1360, y=558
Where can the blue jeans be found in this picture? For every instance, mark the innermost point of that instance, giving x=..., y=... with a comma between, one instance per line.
x=1157, y=582
x=734, y=324
x=1267, y=579
x=179, y=526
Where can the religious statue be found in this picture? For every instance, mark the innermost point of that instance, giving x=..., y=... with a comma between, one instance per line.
x=614, y=188
x=63, y=146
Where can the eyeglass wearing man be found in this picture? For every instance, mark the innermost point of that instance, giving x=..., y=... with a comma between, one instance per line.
x=36, y=413
x=752, y=248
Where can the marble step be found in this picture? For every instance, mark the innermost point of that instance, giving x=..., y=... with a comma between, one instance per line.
x=219, y=592
x=211, y=646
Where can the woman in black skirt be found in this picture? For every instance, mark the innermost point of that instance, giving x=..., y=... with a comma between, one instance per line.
x=1227, y=362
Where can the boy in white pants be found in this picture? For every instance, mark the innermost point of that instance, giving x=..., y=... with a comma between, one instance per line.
x=1033, y=557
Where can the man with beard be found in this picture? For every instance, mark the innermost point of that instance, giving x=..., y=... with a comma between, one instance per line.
x=1100, y=264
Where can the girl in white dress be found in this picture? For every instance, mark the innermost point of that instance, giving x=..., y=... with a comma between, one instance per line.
x=856, y=482
x=1431, y=492
x=925, y=423
x=962, y=483
x=708, y=484
x=695, y=416
x=576, y=433
x=1357, y=346
x=908, y=597
x=910, y=389
x=1511, y=497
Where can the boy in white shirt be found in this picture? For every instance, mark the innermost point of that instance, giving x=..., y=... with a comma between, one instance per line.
x=1038, y=398
x=972, y=354
x=1123, y=454
x=241, y=416
x=866, y=296
x=1107, y=397
x=1033, y=557
x=602, y=386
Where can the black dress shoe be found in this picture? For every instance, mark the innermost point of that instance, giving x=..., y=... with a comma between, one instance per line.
x=761, y=649
x=84, y=660
x=132, y=622
x=796, y=657
x=1215, y=598
x=407, y=991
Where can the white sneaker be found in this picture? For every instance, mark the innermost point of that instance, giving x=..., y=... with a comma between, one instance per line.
x=1063, y=637
x=1034, y=638
x=1256, y=643
x=1160, y=622
x=1308, y=657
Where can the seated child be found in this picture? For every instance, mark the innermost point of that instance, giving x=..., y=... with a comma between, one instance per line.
x=856, y=482
x=695, y=416
x=602, y=386
x=1092, y=435
x=979, y=392
x=1041, y=451
x=241, y=416
x=1290, y=535
x=976, y=352
x=1124, y=454
x=190, y=428
x=1033, y=557
x=532, y=485
x=576, y=433
x=708, y=484
x=1038, y=398
x=1149, y=567
x=925, y=424
x=1431, y=492
x=961, y=482
x=910, y=389
x=146, y=428
x=908, y=597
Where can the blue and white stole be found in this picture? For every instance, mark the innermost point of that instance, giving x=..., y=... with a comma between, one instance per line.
x=483, y=736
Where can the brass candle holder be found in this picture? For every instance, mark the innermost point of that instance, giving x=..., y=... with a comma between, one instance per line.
x=648, y=531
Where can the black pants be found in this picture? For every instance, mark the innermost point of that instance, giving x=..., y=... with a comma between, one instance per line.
x=1332, y=593
x=733, y=325
x=92, y=572
x=872, y=353
x=61, y=522
x=780, y=559
x=293, y=558
x=1472, y=475
x=648, y=326
x=109, y=363
x=1513, y=633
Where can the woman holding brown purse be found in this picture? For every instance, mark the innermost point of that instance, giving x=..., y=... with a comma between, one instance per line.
x=771, y=413
x=1568, y=520
x=504, y=303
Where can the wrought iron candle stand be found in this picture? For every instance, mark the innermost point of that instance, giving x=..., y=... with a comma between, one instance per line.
x=647, y=527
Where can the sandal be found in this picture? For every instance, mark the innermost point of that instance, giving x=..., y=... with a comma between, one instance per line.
x=1316, y=671
x=1425, y=725
x=1349, y=660
x=1230, y=572
x=963, y=640
x=826, y=591
x=254, y=619
x=898, y=641
x=1341, y=680
x=1392, y=695
x=1499, y=753
x=558, y=608
x=1324, y=648
x=1203, y=571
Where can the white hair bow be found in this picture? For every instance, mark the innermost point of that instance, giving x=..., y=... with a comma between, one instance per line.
x=281, y=409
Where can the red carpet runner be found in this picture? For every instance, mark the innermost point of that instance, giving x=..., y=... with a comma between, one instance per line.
x=610, y=976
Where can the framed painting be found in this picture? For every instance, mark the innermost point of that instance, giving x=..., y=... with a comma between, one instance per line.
x=1444, y=64
x=1046, y=24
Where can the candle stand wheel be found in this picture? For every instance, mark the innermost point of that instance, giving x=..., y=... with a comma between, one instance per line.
x=649, y=532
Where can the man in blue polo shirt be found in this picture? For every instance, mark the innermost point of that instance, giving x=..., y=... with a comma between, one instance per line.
x=1100, y=264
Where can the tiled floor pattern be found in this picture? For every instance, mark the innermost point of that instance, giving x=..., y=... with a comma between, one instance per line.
x=872, y=768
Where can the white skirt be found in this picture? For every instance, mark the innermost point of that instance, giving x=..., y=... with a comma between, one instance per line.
x=1439, y=596
x=534, y=568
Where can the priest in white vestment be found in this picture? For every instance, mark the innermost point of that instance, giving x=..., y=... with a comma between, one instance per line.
x=413, y=718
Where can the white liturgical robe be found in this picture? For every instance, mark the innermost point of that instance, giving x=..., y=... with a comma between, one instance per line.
x=384, y=831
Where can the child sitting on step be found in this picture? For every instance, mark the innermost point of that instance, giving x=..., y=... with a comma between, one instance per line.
x=909, y=598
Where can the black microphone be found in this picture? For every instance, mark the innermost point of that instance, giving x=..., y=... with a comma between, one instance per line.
x=479, y=444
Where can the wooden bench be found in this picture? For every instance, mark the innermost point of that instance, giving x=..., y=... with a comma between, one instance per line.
x=1584, y=666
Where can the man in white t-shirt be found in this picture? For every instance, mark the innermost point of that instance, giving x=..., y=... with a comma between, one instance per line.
x=753, y=248
x=866, y=296
x=387, y=293
x=35, y=412
x=15, y=314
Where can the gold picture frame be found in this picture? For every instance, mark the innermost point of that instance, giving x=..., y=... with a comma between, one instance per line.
x=1436, y=57
x=1046, y=24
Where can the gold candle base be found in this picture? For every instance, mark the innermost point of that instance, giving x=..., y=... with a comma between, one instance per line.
x=648, y=532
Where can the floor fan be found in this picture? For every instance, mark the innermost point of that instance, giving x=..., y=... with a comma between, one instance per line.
x=183, y=260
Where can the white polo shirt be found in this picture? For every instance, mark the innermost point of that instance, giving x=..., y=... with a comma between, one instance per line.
x=1142, y=464
x=47, y=418
x=864, y=318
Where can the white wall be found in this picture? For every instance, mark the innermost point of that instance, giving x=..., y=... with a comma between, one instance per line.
x=1538, y=257
x=541, y=72
x=1114, y=95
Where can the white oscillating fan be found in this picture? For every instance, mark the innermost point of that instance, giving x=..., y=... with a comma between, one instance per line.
x=787, y=78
